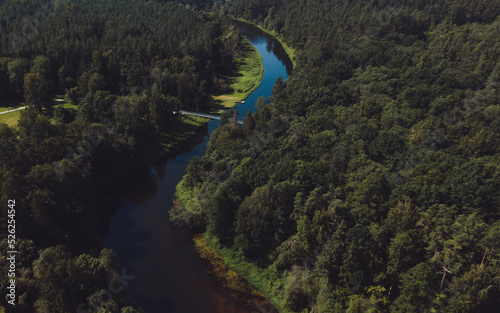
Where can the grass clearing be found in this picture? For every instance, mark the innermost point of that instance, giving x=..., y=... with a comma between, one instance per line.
x=66, y=105
x=10, y=118
x=246, y=79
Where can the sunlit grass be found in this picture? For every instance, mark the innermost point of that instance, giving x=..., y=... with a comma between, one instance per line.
x=66, y=105
x=246, y=79
x=229, y=279
x=10, y=118
x=227, y=269
x=264, y=279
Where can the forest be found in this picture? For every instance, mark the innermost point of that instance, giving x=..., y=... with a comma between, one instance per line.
x=124, y=68
x=370, y=181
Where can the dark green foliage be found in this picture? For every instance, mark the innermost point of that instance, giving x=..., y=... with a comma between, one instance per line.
x=248, y=123
x=96, y=106
x=416, y=290
x=369, y=182
x=127, y=66
x=388, y=132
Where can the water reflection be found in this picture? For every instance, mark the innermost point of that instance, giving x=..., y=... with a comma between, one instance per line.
x=170, y=277
x=258, y=37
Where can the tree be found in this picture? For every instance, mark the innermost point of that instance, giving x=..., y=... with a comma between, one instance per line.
x=161, y=109
x=248, y=123
x=96, y=82
x=35, y=90
x=254, y=224
x=54, y=272
x=296, y=289
x=17, y=69
x=416, y=290
x=475, y=291
x=97, y=106
x=41, y=64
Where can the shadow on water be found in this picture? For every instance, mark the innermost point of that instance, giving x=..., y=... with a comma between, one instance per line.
x=169, y=275
x=257, y=36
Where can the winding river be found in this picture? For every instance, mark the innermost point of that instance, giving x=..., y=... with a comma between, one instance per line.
x=169, y=275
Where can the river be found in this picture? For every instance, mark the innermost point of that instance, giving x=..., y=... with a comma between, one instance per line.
x=169, y=275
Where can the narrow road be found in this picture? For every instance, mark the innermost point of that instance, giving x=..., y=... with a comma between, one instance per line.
x=16, y=109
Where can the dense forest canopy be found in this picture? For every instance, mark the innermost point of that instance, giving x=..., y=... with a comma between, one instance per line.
x=370, y=181
x=125, y=67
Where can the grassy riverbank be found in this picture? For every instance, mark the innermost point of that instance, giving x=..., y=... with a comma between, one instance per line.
x=180, y=130
x=289, y=50
x=160, y=145
x=245, y=79
x=244, y=278
x=233, y=267
x=241, y=291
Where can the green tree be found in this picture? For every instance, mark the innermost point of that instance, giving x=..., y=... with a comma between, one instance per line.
x=17, y=69
x=416, y=290
x=41, y=64
x=97, y=106
x=254, y=224
x=248, y=123
x=35, y=90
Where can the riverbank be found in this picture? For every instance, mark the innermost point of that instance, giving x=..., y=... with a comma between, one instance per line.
x=229, y=268
x=235, y=272
x=241, y=291
x=162, y=145
x=245, y=79
x=230, y=265
x=289, y=50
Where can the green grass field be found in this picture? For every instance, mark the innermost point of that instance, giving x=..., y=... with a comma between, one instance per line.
x=67, y=105
x=246, y=79
x=10, y=118
x=3, y=109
